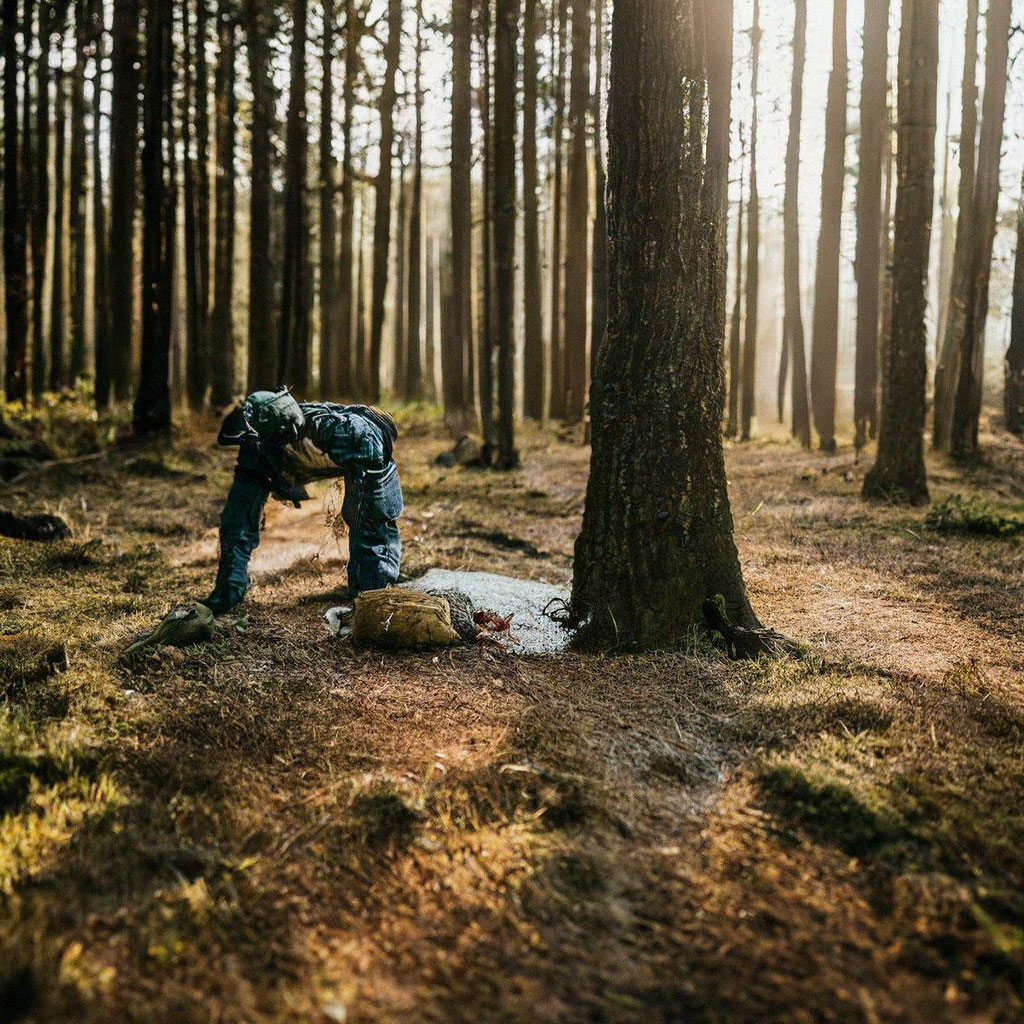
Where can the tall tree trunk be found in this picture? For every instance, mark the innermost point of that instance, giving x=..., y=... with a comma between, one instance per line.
x=947, y=367
x=825, y=337
x=736, y=318
x=382, y=209
x=967, y=404
x=401, y=219
x=899, y=472
x=262, y=360
x=430, y=313
x=294, y=326
x=328, y=215
x=458, y=341
x=947, y=231
x=78, y=190
x=196, y=370
x=656, y=546
x=222, y=336
x=488, y=323
x=58, y=292
x=599, y=266
x=103, y=377
x=533, y=354
x=556, y=344
x=41, y=196
x=413, y=359
x=361, y=339
x=124, y=145
x=793, y=321
x=1013, y=396
x=749, y=390
x=504, y=197
x=867, y=267
x=15, y=219
x=577, y=226
x=152, y=412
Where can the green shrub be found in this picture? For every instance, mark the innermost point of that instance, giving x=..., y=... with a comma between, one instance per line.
x=971, y=515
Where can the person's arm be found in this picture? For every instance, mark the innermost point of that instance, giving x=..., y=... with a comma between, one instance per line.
x=239, y=537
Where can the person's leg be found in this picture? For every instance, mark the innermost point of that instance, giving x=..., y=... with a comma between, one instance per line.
x=239, y=537
x=375, y=545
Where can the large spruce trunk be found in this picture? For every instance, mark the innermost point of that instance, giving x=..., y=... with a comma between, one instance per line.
x=867, y=266
x=899, y=471
x=825, y=331
x=1013, y=397
x=657, y=544
x=533, y=326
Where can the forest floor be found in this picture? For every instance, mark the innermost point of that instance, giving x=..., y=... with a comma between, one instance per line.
x=279, y=827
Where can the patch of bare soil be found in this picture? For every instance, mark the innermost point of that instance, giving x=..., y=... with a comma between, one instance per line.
x=277, y=827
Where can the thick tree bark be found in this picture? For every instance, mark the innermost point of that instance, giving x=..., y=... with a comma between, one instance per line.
x=15, y=219
x=533, y=353
x=899, y=472
x=328, y=214
x=458, y=339
x=504, y=197
x=736, y=318
x=867, y=267
x=152, y=411
x=656, y=546
x=102, y=361
x=222, y=336
x=382, y=210
x=414, y=318
x=124, y=145
x=825, y=335
x=947, y=366
x=58, y=290
x=41, y=197
x=577, y=222
x=749, y=389
x=1013, y=396
x=556, y=343
x=793, y=320
x=78, y=190
x=971, y=363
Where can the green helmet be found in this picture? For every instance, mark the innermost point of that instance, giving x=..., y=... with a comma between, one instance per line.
x=275, y=416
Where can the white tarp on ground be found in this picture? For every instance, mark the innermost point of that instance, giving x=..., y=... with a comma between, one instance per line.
x=533, y=632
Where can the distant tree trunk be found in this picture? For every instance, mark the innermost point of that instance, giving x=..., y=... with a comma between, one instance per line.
x=599, y=267
x=78, y=190
x=947, y=367
x=328, y=215
x=749, y=390
x=152, y=412
x=556, y=402
x=736, y=318
x=656, y=546
x=1013, y=397
x=15, y=219
x=196, y=370
x=382, y=209
x=947, y=231
x=533, y=354
x=222, y=335
x=504, y=213
x=361, y=340
x=41, y=196
x=458, y=340
x=202, y=188
x=430, y=312
x=867, y=267
x=102, y=362
x=488, y=323
x=899, y=472
x=793, y=324
x=58, y=304
x=577, y=224
x=413, y=360
x=26, y=180
x=262, y=365
x=825, y=339
x=967, y=404
x=124, y=145
x=401, y=219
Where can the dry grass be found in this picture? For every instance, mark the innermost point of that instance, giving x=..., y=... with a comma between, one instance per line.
x=277, y=828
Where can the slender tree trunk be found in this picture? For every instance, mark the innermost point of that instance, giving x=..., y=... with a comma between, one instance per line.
x=899, y=472
x=556, y=352
x=152, y=412
x=947, y=232
x=793, y=325
x=414, y=359
x=1013, y=397
x=533, y=354
x=749, y=391
x=867, y=268
x=401, y=220
x=124, y=145
x=41, y=197
x=58, y=305
x=736, y=319
x=458, y=341
x=196, y=370
x=262, y=365
x=362, y=341
x=343, y=364
x=947, y=365
x=505, y=198
x=77, y=192
x=328, y=215
x=222, y=348
x=577, y=226
x=825, y=339
x=102, y=362
x=382, y=209
x=488, y=321
x=430, y=311
x=599, y=268
x=26, y=178
x=15, y=219
x=656, y=546
x=971, y=364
